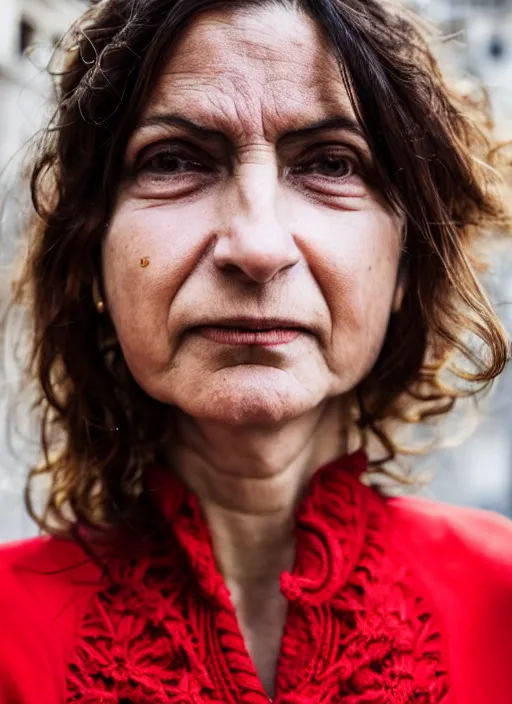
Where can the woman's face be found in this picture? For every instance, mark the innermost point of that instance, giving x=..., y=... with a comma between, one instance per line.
x=249, y=268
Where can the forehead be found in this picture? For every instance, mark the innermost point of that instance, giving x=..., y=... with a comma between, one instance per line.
x=252, y=72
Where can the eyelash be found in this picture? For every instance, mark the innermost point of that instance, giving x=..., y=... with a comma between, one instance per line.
x=143, y=165
x=325, y=158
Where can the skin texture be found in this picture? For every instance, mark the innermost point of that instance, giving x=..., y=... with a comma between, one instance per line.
x=251, y=224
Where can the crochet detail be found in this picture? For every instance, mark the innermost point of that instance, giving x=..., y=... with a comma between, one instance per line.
x=359, y=630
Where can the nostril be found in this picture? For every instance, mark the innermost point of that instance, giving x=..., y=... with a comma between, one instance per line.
x=256, y=254
x=231, y=268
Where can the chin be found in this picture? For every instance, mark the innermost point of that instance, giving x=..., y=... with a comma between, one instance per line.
x=242, y=398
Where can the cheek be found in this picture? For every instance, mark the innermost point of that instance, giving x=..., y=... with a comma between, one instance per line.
x=357, y=273
x=148, y=254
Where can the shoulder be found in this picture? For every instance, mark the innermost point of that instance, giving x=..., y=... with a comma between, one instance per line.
x=465, y=535
x=43, y=570
x=464, y=558
x=46, y=582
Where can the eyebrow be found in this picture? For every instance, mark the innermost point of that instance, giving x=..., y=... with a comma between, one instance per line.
x=337, y=122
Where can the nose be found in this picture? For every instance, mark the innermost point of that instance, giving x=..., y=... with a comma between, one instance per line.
x=253, y=242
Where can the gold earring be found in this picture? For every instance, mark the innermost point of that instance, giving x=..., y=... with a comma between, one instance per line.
x=96, y=296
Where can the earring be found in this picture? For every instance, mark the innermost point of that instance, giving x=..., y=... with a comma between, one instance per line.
x=398, y=298
x=96, y=296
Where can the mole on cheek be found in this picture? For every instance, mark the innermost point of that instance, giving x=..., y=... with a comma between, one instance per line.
x=144, y=262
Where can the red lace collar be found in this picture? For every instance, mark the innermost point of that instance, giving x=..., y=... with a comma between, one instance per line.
x=330, y=530
x=359, y=627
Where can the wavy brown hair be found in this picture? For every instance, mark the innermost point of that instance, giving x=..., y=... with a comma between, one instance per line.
x=436, y=162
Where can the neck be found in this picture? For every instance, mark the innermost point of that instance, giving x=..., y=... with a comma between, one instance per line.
x=249, y=482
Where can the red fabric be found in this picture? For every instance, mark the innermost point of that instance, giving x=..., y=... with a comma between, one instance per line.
x=391, y=601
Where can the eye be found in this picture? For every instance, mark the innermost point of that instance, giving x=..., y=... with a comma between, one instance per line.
x=336, y=166
x=168, y=162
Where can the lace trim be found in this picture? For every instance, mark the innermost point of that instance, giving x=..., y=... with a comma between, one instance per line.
x=376, y=640
x=358, y=629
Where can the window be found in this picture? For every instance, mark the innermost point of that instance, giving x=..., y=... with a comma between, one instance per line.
x=27, y=35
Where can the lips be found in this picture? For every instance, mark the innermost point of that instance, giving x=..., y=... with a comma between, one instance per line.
x=256, y=324
x=267, y=332
x=239, y=336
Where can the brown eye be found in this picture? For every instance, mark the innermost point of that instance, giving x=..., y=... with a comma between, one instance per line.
x=338, y=167
x=164, y=163
x=329, y=165
x=166, y=160
x=170, y=163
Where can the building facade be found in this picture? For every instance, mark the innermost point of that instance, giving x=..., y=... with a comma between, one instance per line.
x=28, y=31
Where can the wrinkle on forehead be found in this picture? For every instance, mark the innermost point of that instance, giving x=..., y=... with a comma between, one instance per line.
x=265, y=34
x=252, y=74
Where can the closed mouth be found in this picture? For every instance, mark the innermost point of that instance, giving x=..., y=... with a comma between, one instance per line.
x=268, y=333
x=254, y=325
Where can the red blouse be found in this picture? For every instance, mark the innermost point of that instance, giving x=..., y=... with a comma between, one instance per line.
x=391, y=601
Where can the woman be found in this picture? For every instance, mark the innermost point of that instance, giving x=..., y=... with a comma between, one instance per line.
x=225, y=324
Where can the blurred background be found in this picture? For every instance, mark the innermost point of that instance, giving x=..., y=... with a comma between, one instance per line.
x=477, y=45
